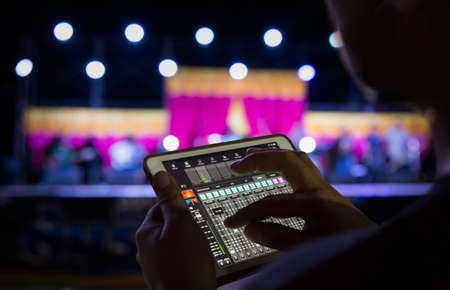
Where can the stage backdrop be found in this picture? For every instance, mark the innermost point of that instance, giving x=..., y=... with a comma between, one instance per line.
x=76, y=126
x=205, y=101
x=106, y=126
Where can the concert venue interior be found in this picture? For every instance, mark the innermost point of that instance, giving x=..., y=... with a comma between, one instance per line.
x=89, y=91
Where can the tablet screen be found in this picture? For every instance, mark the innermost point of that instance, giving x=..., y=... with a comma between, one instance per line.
x=213, y=192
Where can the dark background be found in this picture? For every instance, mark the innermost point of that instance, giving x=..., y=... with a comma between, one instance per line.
x=132, y=79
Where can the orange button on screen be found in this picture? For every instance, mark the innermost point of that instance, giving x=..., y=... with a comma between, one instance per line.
x=189, y=193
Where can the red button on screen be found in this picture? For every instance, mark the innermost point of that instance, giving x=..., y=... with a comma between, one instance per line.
x=189, y=193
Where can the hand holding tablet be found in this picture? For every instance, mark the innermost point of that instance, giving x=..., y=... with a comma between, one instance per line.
x=326, y=211
x=211, y=184
x=172, y=251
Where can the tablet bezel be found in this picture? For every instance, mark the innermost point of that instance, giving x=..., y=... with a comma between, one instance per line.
x=154, y=164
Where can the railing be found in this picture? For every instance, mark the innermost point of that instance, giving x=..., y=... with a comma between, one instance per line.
x=139, y=191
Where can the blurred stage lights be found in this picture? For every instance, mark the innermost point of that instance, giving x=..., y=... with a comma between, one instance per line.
x=168, y=68
x=134, y=32
x=63, y=31
x=273, y=37
x=238, y=71
x=214, y=138
x=171, y=143
x=306, y=73
x=335, y=39
x=204, y=36
x=307, y=144
x=95, y=69
x=24, y=67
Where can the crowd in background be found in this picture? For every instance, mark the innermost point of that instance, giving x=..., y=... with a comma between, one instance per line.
x=392, y=156
x=66, y=165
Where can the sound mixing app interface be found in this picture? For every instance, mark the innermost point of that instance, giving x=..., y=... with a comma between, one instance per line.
x=213, y=192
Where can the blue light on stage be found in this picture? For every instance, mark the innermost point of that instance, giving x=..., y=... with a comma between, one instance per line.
x=24, y=67
x=168, y=68
x=63, y=31
x=171, y=143
x=214, y=138
x=204, y=36
x=95, y=69
x=273, y=37
x=238, y=71
x=306, y=73
x=335, y=40
x=134, y=32
x=307, y=144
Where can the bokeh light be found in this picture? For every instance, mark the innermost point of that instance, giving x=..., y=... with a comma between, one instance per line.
x=24, y=67
x=238, y=71
x=273, y=37
x=134, y=32
x=335, y=39
x=204, y=36
x=214, y=138
x=307, y=144
x=306, y=73
x=168, y=68
x=95, y=69
x=171, y=143
x=63, y=31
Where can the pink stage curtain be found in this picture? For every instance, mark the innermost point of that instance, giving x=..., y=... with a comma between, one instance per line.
x=360, y=147
x=102, y=144
x=75, y=141
x=197, y=117
x=149, y=143
x=272, y=116
x=38, y=143
x=199, y=100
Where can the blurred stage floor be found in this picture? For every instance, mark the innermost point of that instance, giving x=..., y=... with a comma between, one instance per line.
x=140, y=191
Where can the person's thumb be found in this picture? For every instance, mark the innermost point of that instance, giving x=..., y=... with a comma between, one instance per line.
x=168, y=193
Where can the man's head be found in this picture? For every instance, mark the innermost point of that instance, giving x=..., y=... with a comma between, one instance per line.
x=395, y=46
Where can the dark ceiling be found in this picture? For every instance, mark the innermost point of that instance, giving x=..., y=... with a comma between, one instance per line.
x=131, y=68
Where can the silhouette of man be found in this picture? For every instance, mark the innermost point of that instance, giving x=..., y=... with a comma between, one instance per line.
x=397, y=47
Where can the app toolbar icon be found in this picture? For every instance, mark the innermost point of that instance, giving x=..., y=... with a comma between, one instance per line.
x=188, y=193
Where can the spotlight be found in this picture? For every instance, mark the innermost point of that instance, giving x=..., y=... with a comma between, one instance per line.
x=63, y=31
x=134, y=32
x=358, y=170
x=335, y=39
x=24, y=67
x=95, y=69
x=273, y=37
x=238, y=71
x=122, y=153
x=204, y=36
x=307, y=144
x=214, y=138
x=306, y=73
x=171, y=143
x=168, y=68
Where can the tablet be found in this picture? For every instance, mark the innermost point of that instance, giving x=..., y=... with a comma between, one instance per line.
x=212, y=192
